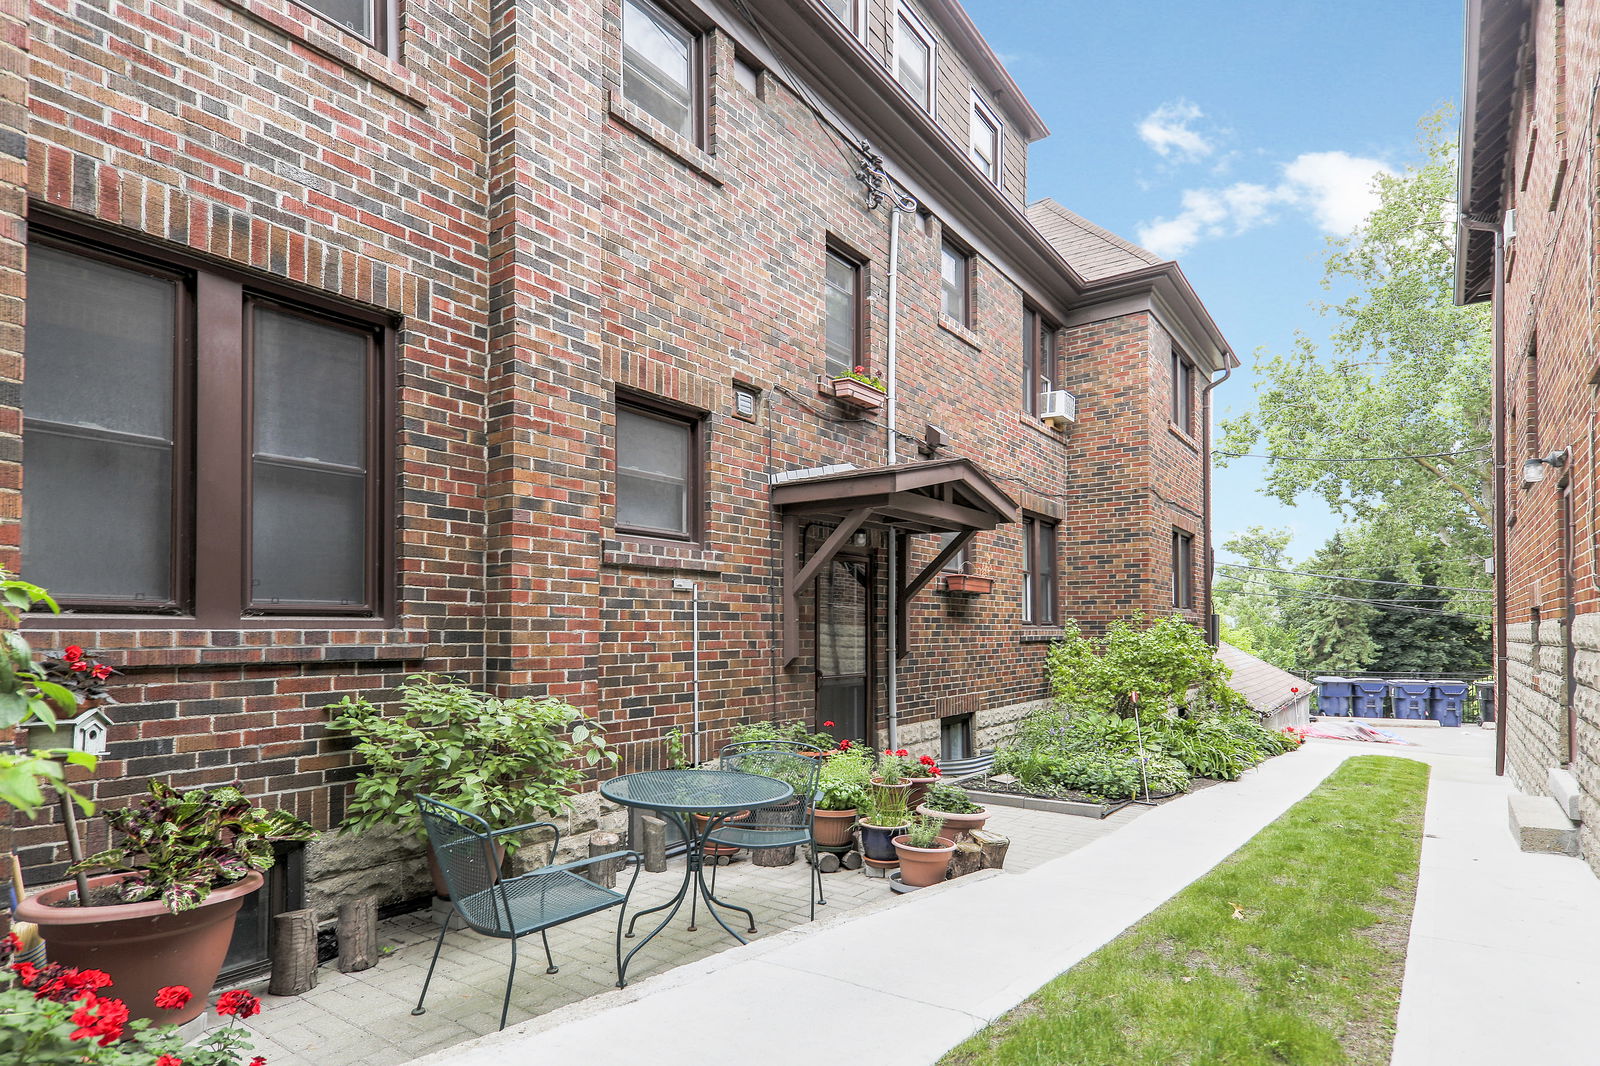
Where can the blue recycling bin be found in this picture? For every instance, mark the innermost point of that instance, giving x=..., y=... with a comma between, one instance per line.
x=1367, y=696
x=1333, y=696
x=1412, y=699
x=1446, y=702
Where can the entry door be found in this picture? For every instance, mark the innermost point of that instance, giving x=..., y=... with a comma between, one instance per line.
x=844, y=649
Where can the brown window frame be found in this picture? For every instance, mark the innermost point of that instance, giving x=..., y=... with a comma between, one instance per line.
x=1182, y=570
x=1038, y=348
x=699, y=80
x=1182, y=392
x=694, y=484
x=1036, y=531
x=858, y=302
x=383, y=13
x=964, y=255
x=211, y=420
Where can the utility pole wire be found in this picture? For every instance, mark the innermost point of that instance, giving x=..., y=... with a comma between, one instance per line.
x=1350, y=459
x=1361, y=580
x=1380, y=604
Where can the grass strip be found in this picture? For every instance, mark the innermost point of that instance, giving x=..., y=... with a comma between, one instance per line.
x=1290, y=951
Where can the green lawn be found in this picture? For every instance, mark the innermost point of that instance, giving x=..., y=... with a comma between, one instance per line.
x=1290, y=951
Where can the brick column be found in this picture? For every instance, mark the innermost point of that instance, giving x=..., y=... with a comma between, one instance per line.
x=546, y=402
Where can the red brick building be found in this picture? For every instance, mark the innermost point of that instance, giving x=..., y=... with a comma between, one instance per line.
x=346, y=342
x=1529, y=243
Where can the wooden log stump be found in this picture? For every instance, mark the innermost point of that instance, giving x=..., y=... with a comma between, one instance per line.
x=828, y=862
x=967, y=859
x=851, y=860
x=654, y=831
x=772, y=857
x=294, y=953
x=604, y=873
x=994, y=848
x=357, y=932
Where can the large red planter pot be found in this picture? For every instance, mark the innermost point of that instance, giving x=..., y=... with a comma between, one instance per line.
x=923, y=867
x=142, y=946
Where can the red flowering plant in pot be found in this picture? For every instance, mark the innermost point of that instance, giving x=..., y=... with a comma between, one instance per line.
x=58, y=1014
x=183, y=865
x=917, y=772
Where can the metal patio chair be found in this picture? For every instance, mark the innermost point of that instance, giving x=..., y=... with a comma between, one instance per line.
x=783, y=825
x=508, y=908
x=738, y=746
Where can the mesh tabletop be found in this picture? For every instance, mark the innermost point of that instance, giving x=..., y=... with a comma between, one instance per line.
x=707, y=791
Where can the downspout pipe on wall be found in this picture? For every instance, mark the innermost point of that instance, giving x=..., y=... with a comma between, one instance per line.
x=1205, y=497
x=1497, y=419
x=683, y=585
x=890, y=423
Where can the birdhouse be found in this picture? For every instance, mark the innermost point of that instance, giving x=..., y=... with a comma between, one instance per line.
x=89, y=732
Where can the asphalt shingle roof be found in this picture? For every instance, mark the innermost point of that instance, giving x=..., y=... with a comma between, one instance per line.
x=1264, y=685
x=1093, y=252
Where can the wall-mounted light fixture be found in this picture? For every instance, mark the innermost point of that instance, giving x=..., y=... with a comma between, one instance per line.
x=1534, y=470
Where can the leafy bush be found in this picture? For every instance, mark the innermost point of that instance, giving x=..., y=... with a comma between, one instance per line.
x=754, y=732
x=1108, y=774
x=949, y=799
x=1213, y=747
x=1169, y=664
x=505, y=760
x=845, y=778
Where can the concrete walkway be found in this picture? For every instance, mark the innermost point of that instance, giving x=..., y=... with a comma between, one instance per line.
x=903, y=985
x=1504, y=961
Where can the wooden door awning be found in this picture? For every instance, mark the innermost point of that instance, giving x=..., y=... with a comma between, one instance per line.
x=940, y=496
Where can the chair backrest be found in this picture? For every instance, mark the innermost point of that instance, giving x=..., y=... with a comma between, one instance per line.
x=463, y=846
x=795, y=769
x=738, y=746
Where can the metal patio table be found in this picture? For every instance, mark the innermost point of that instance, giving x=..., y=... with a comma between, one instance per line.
x=718, y=794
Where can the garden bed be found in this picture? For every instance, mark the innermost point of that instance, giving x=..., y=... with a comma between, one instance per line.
x=989, y=792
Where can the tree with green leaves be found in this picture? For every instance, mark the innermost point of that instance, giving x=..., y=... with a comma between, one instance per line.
x=1251, y=600
x=1405, y=374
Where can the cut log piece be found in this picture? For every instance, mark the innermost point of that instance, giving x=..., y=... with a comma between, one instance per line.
x=772, y=857
x=294, y=953
x=654, y=831
x=357, y=931
x=994, y=848
x=967, y=859
x=604, y=873
x=828, y=862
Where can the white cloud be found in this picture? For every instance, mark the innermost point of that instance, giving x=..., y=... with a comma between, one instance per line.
x=1335, y=189
x=1170, y=133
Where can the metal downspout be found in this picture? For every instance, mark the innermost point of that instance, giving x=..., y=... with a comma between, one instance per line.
x=893, y=677
x=1205, y=497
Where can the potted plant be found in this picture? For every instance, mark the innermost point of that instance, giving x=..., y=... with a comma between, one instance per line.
x=970, y=584
x=59, y=1014
x=842, y=788
x=913, y=772
x=882, y=816
x=924, y=855
x=951, y=804
x=505, y=760
x=860, y=390
x=184, y=862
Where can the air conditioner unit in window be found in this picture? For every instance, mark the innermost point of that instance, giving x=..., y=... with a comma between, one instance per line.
x=1058, y=407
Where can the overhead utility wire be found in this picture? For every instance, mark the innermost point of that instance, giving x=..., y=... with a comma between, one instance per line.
x=1381, y=604
x=1350, y=459
x=1361, y=580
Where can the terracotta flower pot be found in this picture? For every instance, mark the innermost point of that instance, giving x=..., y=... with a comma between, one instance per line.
x=142, y=946
x=919, y=790
x=877, y=841
x=921, y=867
x=832, y=828
x=858, y=395
x=956, y=826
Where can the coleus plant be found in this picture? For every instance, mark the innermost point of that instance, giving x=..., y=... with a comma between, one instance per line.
x=181, y=845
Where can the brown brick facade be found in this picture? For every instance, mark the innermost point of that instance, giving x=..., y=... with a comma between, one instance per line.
x=542, y=247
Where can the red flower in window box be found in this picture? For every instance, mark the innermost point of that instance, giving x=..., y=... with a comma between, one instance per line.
x=860, y=390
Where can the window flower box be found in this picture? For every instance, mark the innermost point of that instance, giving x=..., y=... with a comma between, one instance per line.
x=970, y=584
x=858, y=395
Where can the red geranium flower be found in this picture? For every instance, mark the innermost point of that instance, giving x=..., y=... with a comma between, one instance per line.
x=26, y=972
x=844, y=745
x=101, y=672
x=72, y=654
x=827, y=725
x=10, y=945
x=173, y=997
x=99, y=1018
x=259, y=1060
x=169, y=1060
x=239, y=1002
x=78, y=666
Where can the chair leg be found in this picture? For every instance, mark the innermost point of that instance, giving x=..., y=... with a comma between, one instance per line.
x=816, y=871
x=444, y=927
x=505, y=1005
x=550, y=963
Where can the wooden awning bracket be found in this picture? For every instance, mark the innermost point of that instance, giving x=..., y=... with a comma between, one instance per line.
x=797, y=576
x=906, y=593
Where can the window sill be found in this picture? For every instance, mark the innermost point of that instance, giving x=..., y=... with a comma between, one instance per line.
x=1038, y=425
x=1036, y=634
x=960, y=332
x=647, y=126
x=311, y=30
x=633, y=553
x=314, y=641
x=1183, y=435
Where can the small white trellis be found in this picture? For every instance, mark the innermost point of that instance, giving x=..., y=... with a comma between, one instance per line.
x=89, y=732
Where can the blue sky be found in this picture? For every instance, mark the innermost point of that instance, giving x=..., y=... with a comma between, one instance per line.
x=1234, y=137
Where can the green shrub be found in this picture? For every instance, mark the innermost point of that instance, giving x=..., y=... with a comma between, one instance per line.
x=1110, y=775
x=1162, y=663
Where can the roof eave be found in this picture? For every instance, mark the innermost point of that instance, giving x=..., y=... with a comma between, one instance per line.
x=1169, y=280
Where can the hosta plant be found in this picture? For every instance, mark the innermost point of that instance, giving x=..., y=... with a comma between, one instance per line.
x=182, y=844
x=55, y=1016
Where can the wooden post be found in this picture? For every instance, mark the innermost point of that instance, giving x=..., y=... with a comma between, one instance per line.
x=967, y=859
x=357, y=931
x=604, y=873
x=654, y=831
x=294, y=953
x=993, y=846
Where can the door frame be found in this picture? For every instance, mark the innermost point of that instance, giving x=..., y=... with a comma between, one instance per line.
x=862, y=557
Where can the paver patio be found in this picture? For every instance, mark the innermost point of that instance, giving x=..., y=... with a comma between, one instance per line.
x=361, y=1018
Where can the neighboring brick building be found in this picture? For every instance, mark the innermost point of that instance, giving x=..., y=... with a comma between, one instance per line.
x=1529, y=195
x=496, y=343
